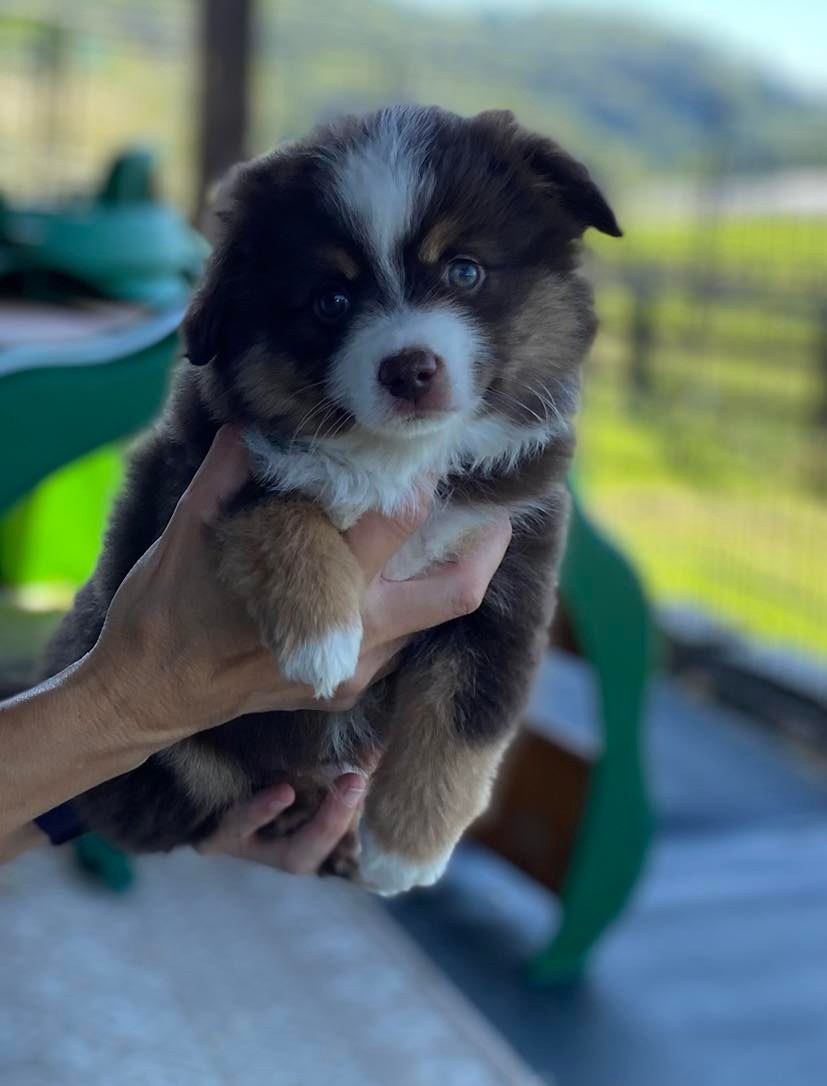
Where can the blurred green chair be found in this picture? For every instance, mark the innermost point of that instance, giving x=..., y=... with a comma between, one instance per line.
x=571, y=810
x=610, y=618
x=121, y=243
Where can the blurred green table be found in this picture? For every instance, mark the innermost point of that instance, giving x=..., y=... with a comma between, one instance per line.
x=58, y=402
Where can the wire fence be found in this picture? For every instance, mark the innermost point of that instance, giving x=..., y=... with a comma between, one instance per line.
x=79, y=81
x=705, y=428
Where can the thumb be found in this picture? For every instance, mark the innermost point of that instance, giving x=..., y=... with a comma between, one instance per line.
x=375, y=538
x=223, y=472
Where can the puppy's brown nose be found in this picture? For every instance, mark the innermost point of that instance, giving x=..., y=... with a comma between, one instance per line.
x=410, y=374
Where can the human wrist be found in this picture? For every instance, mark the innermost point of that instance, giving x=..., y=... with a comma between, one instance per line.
x=21, y=840
x=151, y=701
x=60, y=739
x=114, y=705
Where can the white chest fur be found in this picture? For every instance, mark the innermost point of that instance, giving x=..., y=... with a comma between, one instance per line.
x=357, y=472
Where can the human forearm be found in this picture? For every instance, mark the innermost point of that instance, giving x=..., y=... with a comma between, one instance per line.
x=64, y=736
x=20, y=841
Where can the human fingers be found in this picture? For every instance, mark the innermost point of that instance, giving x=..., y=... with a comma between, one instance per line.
x=448, y=591
x=375, y=538
x=240, y=823
x=309, y=847
x=222, y=473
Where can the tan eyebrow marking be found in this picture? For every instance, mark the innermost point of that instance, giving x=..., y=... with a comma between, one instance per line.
x=344, y=263
x=436, y=241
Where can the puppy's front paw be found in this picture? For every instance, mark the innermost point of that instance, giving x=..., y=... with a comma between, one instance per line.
x=387, y=873
x=324, y=663
x=301, y=585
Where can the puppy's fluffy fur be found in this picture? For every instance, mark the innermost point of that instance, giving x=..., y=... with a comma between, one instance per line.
x=395, y=296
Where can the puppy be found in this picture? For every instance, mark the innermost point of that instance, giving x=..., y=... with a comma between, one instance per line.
x=394, y=298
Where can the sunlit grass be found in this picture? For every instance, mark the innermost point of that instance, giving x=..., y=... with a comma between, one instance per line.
x=715, y=512
x=784, y=252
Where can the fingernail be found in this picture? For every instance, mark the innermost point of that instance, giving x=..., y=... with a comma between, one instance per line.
x=278, y=802
x=352, y=794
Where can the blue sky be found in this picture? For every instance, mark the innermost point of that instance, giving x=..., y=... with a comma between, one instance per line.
x=786, y=36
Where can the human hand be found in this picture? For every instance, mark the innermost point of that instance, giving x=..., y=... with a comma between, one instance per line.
x=178, y=653
x=300, y=853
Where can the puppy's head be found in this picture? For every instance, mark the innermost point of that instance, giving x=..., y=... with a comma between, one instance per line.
x=396, y=274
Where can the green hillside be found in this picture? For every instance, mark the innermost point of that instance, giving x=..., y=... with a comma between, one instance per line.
x=633, y=99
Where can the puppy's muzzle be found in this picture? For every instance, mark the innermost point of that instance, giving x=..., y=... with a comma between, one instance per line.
x=416, y=377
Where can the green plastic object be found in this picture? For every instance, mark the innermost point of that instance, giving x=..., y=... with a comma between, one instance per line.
x=104, y=863
x=610, y=617
x=122, y=243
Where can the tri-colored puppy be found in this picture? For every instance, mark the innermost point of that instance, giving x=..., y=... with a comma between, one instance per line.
x=393, y=298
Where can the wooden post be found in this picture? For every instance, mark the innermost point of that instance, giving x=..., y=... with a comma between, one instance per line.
x=224, y=63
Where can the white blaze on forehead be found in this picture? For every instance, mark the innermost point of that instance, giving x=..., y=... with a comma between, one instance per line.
x=379, y=183
x=448, y=333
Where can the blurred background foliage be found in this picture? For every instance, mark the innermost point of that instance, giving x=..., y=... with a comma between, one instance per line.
x=704, y=434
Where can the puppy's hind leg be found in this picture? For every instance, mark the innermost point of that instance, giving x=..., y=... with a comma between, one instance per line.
x=431, y=782
x=457, y=703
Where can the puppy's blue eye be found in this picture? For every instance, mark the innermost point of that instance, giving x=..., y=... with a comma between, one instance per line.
x=332, y=306
x=464, y=274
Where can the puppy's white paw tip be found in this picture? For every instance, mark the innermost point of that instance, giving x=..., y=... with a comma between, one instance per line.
x=325, y=663
x=387, y=873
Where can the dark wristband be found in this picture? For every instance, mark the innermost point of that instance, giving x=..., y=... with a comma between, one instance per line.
x=61, y=824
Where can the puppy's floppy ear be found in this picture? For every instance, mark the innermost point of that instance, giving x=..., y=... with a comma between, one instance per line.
x=204, y=320
x=573, y=185
x=556, y=171
x=222, y=200
x=207, y=314
x=214, y=326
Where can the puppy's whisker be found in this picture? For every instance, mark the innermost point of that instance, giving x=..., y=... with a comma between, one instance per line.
x=310, y=385
x=323, y=405
x=319, y=434
x=337, y=429
x=323, y=402
x=551, y=411
x=535, y=392
x=314, y=439
x=550, y=405
x=509, y=400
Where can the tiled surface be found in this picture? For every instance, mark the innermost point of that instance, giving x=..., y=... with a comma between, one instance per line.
x=217, y=973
